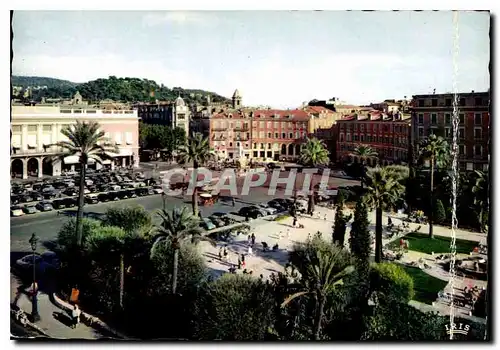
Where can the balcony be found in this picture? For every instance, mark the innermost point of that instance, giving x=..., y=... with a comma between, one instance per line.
x=219, y=138
x=218, y=128
x=242, y=128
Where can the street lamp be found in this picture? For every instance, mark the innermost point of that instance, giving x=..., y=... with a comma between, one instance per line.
x=163, y=198
x=34, y=303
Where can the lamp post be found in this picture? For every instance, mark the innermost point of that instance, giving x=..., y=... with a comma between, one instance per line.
x=164, y=198
x=34, y=303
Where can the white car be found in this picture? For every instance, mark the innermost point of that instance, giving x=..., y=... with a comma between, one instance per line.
x=269, y=210
x=158, y=189
x=16, y=211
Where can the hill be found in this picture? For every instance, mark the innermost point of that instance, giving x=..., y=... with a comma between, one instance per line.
x=117, y=89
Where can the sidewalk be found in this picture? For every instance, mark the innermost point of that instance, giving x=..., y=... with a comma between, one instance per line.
x=55, y=328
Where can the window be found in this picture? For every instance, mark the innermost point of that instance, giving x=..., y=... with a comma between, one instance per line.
x=355, y=137
x=118, y=138
x=478, y=101
x=16, y=128
x=355, y=127
x=283, y=135
x=362, y=138
x=461, y=133
x=420, y=131
x=447, y=132
x=434, y=102
x=447, y=102
x=128, y=138
x=254, y=145
x=348, y=137
x=261, y=125
x=31, y=128
x=261, y=134
x=269, y=125
x=433, y=118
x=420, y=118
x=276, y=124
x=462, y=101
x=230, y=144
x=276, y=135
x=341, y=137
x=269, y=135
x=47, y=128
x=461, y=116
x=269, y=146
x=433, y=130
x=261, y=146
x=447, y=118
x=461, y=150
x=362, y=127
x=478, y=133
x=477, y=118
x=291, y=135
x=478, y=150
x=421, y=103
x=375, y=126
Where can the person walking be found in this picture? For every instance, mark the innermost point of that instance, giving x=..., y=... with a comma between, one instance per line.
x=225, y=253
x=249, y=239
x=243, y=264
x=220, y=254
x=253, y=238
x=75, y=316
x=295, y=221
x=233, y=202
x=250, y=251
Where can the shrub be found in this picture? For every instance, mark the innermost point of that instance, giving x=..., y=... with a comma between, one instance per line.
x=234, y=307
x=130, y=219
x=392, y=281
x=360, y=240
x=439, y=212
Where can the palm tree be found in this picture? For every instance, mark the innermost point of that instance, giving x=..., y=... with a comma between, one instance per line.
x=436, y=149
x=313, y=154
x=135, y=223
x=364, y=152
x=86, y=141
x=176, y=227
x=197, y=151
x=480, y=192
x=321, y=273
x=382, y=191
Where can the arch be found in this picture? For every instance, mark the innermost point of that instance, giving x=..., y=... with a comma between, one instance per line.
x=283, y=150
x=47, y=167
x=290, y=150
x=297, y=149
x=16, y=168
x=33, y=167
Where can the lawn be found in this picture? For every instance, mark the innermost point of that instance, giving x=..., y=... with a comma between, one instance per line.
x=426, y=287
x=420, y=242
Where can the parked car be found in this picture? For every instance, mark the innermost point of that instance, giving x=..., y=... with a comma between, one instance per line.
x=269, y=210
x=49, y=195
x=207, y=224
x=48, y=188
x=59, y=185
x=70, y=192
x=29, y=209
x=70, y=202
x=44, y=263
x=36, y=196
x=91, y=199
x=276, y=205
x=158, y=189
x=131, y=193
x=251, y=212
x=103, y=197
x=45, y=206
x=14, y=200
x=123, y=194
x=25, y=199
x=58, y=204
x=114, y=187
x=217, y=220
x=16, y=211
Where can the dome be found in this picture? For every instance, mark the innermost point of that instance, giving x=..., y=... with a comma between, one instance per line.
x=236, y=93
x=179, y=101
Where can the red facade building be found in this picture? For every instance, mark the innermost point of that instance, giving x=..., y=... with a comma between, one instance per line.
x=432, y=114
x=388, y=135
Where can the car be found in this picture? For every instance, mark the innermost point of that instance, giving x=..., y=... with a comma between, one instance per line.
x=44, y=206
x=59, y=185
x=36, y=196
x=114, y=187
x=123, y=194
x=91, y=199
x=25, y=199
x=14, y=200
x=270, y=210
x=30, y=209
x=131, y=193
x=279, y=206
x=251, y=212
x=58, y=204
x=70, y=202
x=207, y=224
x=16, y=211
x=158, y=189
x=48, y=188
x=70, y=192
x=103, y=197
x=44, y=263
x=49, y=195
x=103, y=187
x=217, y=221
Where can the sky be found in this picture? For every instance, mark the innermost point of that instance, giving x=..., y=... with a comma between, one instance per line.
x=275, y=58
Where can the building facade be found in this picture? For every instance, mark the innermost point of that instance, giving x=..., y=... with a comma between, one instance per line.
x=261, y=135
x=387, y=134
x=35, y=130
x=432, y=114
x=174, y=115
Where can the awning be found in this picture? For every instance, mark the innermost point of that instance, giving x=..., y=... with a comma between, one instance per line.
x=123, y=153
x=71, y=160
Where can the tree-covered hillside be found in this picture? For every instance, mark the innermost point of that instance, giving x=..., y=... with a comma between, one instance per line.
x=117, y=89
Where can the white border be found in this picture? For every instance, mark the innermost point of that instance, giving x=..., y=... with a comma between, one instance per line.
x=187, y=5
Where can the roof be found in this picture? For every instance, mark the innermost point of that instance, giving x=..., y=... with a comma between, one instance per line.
x=298, y=115
x=317, y=109
x=236, y=93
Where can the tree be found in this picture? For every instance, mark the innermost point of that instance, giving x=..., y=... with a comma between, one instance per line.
x=313, y=154
x=391, y=282
x=364, y=152
x=234, y=307
x=109, y=243
x=480, y=192
x=382, y=191
x=360, y=240
x=436, y=149
x=196, y=151
x=340, y=223
x=176, y=227
x=135, y=223
x=85, y=141
x=322, y=267
x=440, y=214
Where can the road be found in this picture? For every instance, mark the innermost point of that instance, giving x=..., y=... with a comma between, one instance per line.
x=46, y=225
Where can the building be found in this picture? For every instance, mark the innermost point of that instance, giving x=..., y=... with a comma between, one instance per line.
x=174, y=115
x=387, y=134
x=36, y=128
x=321, y=124
x=258, y=134
x=432, y=114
